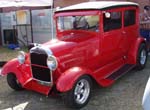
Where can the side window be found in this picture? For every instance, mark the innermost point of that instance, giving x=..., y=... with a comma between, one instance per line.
x=129, y=17
x=111, y=21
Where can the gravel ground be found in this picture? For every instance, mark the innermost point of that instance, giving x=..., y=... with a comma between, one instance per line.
x=125, y=94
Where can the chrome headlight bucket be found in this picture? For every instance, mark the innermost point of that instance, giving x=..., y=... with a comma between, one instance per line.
x=21, y=57
x=52, y=62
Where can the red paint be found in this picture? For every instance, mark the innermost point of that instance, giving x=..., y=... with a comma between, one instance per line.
x=80, y=52
x=134, y=50
x=67, y=79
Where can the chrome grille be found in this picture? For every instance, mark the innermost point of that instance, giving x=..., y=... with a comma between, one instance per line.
x=39, y=68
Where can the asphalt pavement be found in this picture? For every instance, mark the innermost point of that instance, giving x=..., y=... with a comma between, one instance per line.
x=125, y=94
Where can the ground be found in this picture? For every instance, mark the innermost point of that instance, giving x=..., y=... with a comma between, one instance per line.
x=125, y=94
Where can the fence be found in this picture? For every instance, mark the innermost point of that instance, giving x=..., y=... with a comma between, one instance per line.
x=145, y=25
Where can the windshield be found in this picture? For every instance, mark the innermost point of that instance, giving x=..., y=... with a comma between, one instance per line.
x=88, y=23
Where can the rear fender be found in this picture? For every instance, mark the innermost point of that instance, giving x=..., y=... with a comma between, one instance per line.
x=132, y=54
x=67, y=80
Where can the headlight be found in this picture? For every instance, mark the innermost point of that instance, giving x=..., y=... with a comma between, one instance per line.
x=51, y=62
x=21, y=57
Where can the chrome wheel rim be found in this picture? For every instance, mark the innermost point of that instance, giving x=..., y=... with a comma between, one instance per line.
x=17, y=81
x=143, y=57
x=82, y=91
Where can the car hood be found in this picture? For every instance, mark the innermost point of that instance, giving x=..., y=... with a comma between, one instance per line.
x=69, y=40
x=59, y=47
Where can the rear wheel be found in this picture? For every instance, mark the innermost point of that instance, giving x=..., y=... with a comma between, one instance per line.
x=13, y=82
x=142, y=57
x=80, y=94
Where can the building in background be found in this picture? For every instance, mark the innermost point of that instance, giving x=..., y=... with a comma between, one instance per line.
x=18, y=23
x=63, y=3
x=16, y=27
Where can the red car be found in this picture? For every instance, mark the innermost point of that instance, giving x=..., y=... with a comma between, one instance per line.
x=96, y=41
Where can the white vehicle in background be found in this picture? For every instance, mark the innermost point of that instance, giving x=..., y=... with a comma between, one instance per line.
x=146, y=97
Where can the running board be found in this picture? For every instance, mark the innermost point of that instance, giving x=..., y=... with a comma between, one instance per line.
x=120, y=72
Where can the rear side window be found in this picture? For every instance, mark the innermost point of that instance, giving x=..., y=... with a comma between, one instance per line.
x=112, y=21
x=129, y=17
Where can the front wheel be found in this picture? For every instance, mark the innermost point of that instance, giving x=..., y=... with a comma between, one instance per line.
x=142, y=57
x=79, y=96
x=13, y=82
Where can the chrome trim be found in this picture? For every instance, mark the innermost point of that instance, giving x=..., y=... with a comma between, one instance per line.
x=49, y=52
x=45, y=48
x=143, y=57
x=45, y=83
x=36, y=44
x=82, y=91
x=21, y=61
x=55, y=61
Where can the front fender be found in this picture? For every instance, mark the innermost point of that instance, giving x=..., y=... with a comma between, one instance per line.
x=22, y=72
x=67, y=80
x=10, y=67
x=132, y=54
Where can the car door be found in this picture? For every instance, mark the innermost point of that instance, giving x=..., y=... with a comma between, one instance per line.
x=130, y=28
x=111, y=43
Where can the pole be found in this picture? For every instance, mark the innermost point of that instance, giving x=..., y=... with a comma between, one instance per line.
x=1, y=31
x=52, y=24
x=31, y=25
x=16, y=26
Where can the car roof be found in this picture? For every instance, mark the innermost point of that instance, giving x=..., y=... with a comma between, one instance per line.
x=98, y=5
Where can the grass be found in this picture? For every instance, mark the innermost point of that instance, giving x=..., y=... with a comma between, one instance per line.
x=8, y=54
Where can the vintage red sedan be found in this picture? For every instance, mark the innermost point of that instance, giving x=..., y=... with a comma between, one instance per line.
x=96, y=41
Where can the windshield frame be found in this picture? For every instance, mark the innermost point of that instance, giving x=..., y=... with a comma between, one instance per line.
x=75, y=13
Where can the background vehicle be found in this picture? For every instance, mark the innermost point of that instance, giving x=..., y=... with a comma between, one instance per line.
x=146, y=97
x=96, y=41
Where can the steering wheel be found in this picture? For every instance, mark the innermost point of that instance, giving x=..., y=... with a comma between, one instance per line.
x=76, y=23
